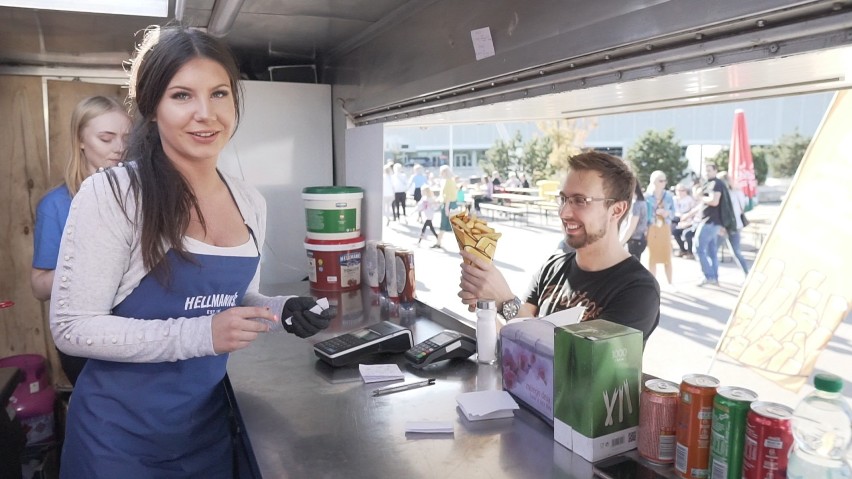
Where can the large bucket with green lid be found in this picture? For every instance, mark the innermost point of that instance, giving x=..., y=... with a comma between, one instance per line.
x=333, y=212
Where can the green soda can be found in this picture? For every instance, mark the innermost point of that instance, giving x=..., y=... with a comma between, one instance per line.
x=730, y=408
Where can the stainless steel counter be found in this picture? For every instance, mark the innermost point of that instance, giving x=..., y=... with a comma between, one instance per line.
x=308, y=420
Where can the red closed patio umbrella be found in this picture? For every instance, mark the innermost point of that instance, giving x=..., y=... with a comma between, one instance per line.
x=740, y=162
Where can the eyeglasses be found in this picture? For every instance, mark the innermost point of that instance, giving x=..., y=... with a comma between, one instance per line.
x=577, y=201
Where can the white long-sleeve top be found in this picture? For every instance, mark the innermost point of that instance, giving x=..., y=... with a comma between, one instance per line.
x=399, y=182
x=100, y=264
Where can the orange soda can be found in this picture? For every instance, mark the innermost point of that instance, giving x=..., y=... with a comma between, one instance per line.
x=658, y=420
x=694, y=418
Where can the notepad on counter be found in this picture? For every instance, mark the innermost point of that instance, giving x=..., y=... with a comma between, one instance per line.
x=429, y=427
x=374, y=373
x=481, y=405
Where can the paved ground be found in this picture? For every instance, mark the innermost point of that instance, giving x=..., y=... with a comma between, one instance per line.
x=692, y=318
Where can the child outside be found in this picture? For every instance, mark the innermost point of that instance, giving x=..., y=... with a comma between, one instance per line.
x=427, y=206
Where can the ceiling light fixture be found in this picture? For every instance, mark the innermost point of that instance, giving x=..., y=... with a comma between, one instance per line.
x=224, y=14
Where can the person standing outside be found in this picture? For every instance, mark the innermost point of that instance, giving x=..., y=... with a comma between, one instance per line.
x=710, y=226
x=399, y=182
x=738, y=203
x=387, y=193
x=417, y=181
x=449, y=195
x=159, y=274
x=635, y=233
x=427, y=206
x=660, y=213
x=598, y=274
x=682, y=227
x=99, y=127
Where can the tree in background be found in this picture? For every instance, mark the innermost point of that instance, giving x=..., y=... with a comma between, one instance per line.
x=503, y=156
x=785, y=156
x=758, y=156
x=567, y=138
x=541, y=157
x=657, y=150
x=535, y=160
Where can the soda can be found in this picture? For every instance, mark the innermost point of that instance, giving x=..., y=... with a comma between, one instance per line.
x=658, y=420
x=380, y=267
x=730, y=408
x=405, y=283
x=694, y=417
x=768, y=439
x=390, y=273
x=371, y=261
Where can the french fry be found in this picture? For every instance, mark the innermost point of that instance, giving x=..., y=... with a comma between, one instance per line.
x=474, y=235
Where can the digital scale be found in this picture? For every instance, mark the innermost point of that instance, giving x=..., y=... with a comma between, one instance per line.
x=384, y=337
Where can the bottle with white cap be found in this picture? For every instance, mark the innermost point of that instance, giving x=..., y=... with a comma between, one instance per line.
x=822, y=428
x=486, y=331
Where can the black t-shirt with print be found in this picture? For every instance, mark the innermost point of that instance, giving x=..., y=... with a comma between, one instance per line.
x=625, y=293
x=713, y=213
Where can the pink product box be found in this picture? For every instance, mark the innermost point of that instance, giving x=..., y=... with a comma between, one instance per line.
x=526, y=361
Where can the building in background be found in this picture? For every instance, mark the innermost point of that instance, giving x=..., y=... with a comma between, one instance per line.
x=702, y=130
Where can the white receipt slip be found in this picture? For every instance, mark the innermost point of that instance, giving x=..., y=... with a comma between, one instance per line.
x=373, y=373
x=480, y=405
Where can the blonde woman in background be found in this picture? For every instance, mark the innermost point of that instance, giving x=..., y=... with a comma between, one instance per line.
x=99, y=126
x=449, y=195
x=660, y=213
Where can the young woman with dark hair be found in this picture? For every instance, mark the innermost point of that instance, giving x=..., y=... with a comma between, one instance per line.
x=159, y=277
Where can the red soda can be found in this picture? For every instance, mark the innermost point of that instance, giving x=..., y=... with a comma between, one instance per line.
x=694, y=418
x=658, y=420
x=405, y=283
x=768, y=440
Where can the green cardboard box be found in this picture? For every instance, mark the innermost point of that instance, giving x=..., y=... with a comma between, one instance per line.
x=597, y=368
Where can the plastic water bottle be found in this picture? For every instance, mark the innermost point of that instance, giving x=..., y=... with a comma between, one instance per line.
x=822, y=429
x=486, y=331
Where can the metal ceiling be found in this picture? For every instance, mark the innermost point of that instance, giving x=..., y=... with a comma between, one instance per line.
x=266, y=33
x=406, y=60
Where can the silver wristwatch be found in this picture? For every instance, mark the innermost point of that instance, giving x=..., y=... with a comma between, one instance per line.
x=510, y=308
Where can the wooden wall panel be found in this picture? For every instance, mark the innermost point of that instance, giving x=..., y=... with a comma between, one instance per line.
x=23, y=180
x=26, y=173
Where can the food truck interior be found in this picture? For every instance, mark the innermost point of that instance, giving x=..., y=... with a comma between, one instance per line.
x=323, y=77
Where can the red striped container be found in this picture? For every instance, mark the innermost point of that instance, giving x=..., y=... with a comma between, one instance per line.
x=658, y=421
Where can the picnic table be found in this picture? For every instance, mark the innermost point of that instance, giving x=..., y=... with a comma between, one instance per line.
x=521, y=191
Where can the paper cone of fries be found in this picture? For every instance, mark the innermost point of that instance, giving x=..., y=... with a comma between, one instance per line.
x=474, y=235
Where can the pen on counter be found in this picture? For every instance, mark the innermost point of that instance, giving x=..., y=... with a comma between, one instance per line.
x=403, y=387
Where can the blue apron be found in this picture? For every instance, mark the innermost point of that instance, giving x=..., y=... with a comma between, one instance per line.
x=160, y=420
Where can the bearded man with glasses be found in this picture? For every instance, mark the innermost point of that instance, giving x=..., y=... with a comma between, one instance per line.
x=599, y=274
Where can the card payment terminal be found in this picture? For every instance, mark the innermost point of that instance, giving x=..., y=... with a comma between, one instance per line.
x=384, y=337
x=447, y=344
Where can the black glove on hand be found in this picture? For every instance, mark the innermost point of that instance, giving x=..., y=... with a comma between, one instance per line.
x=299, y=320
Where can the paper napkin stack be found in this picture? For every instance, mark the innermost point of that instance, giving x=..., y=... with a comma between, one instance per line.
x=373, y=373
x=480, y=405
